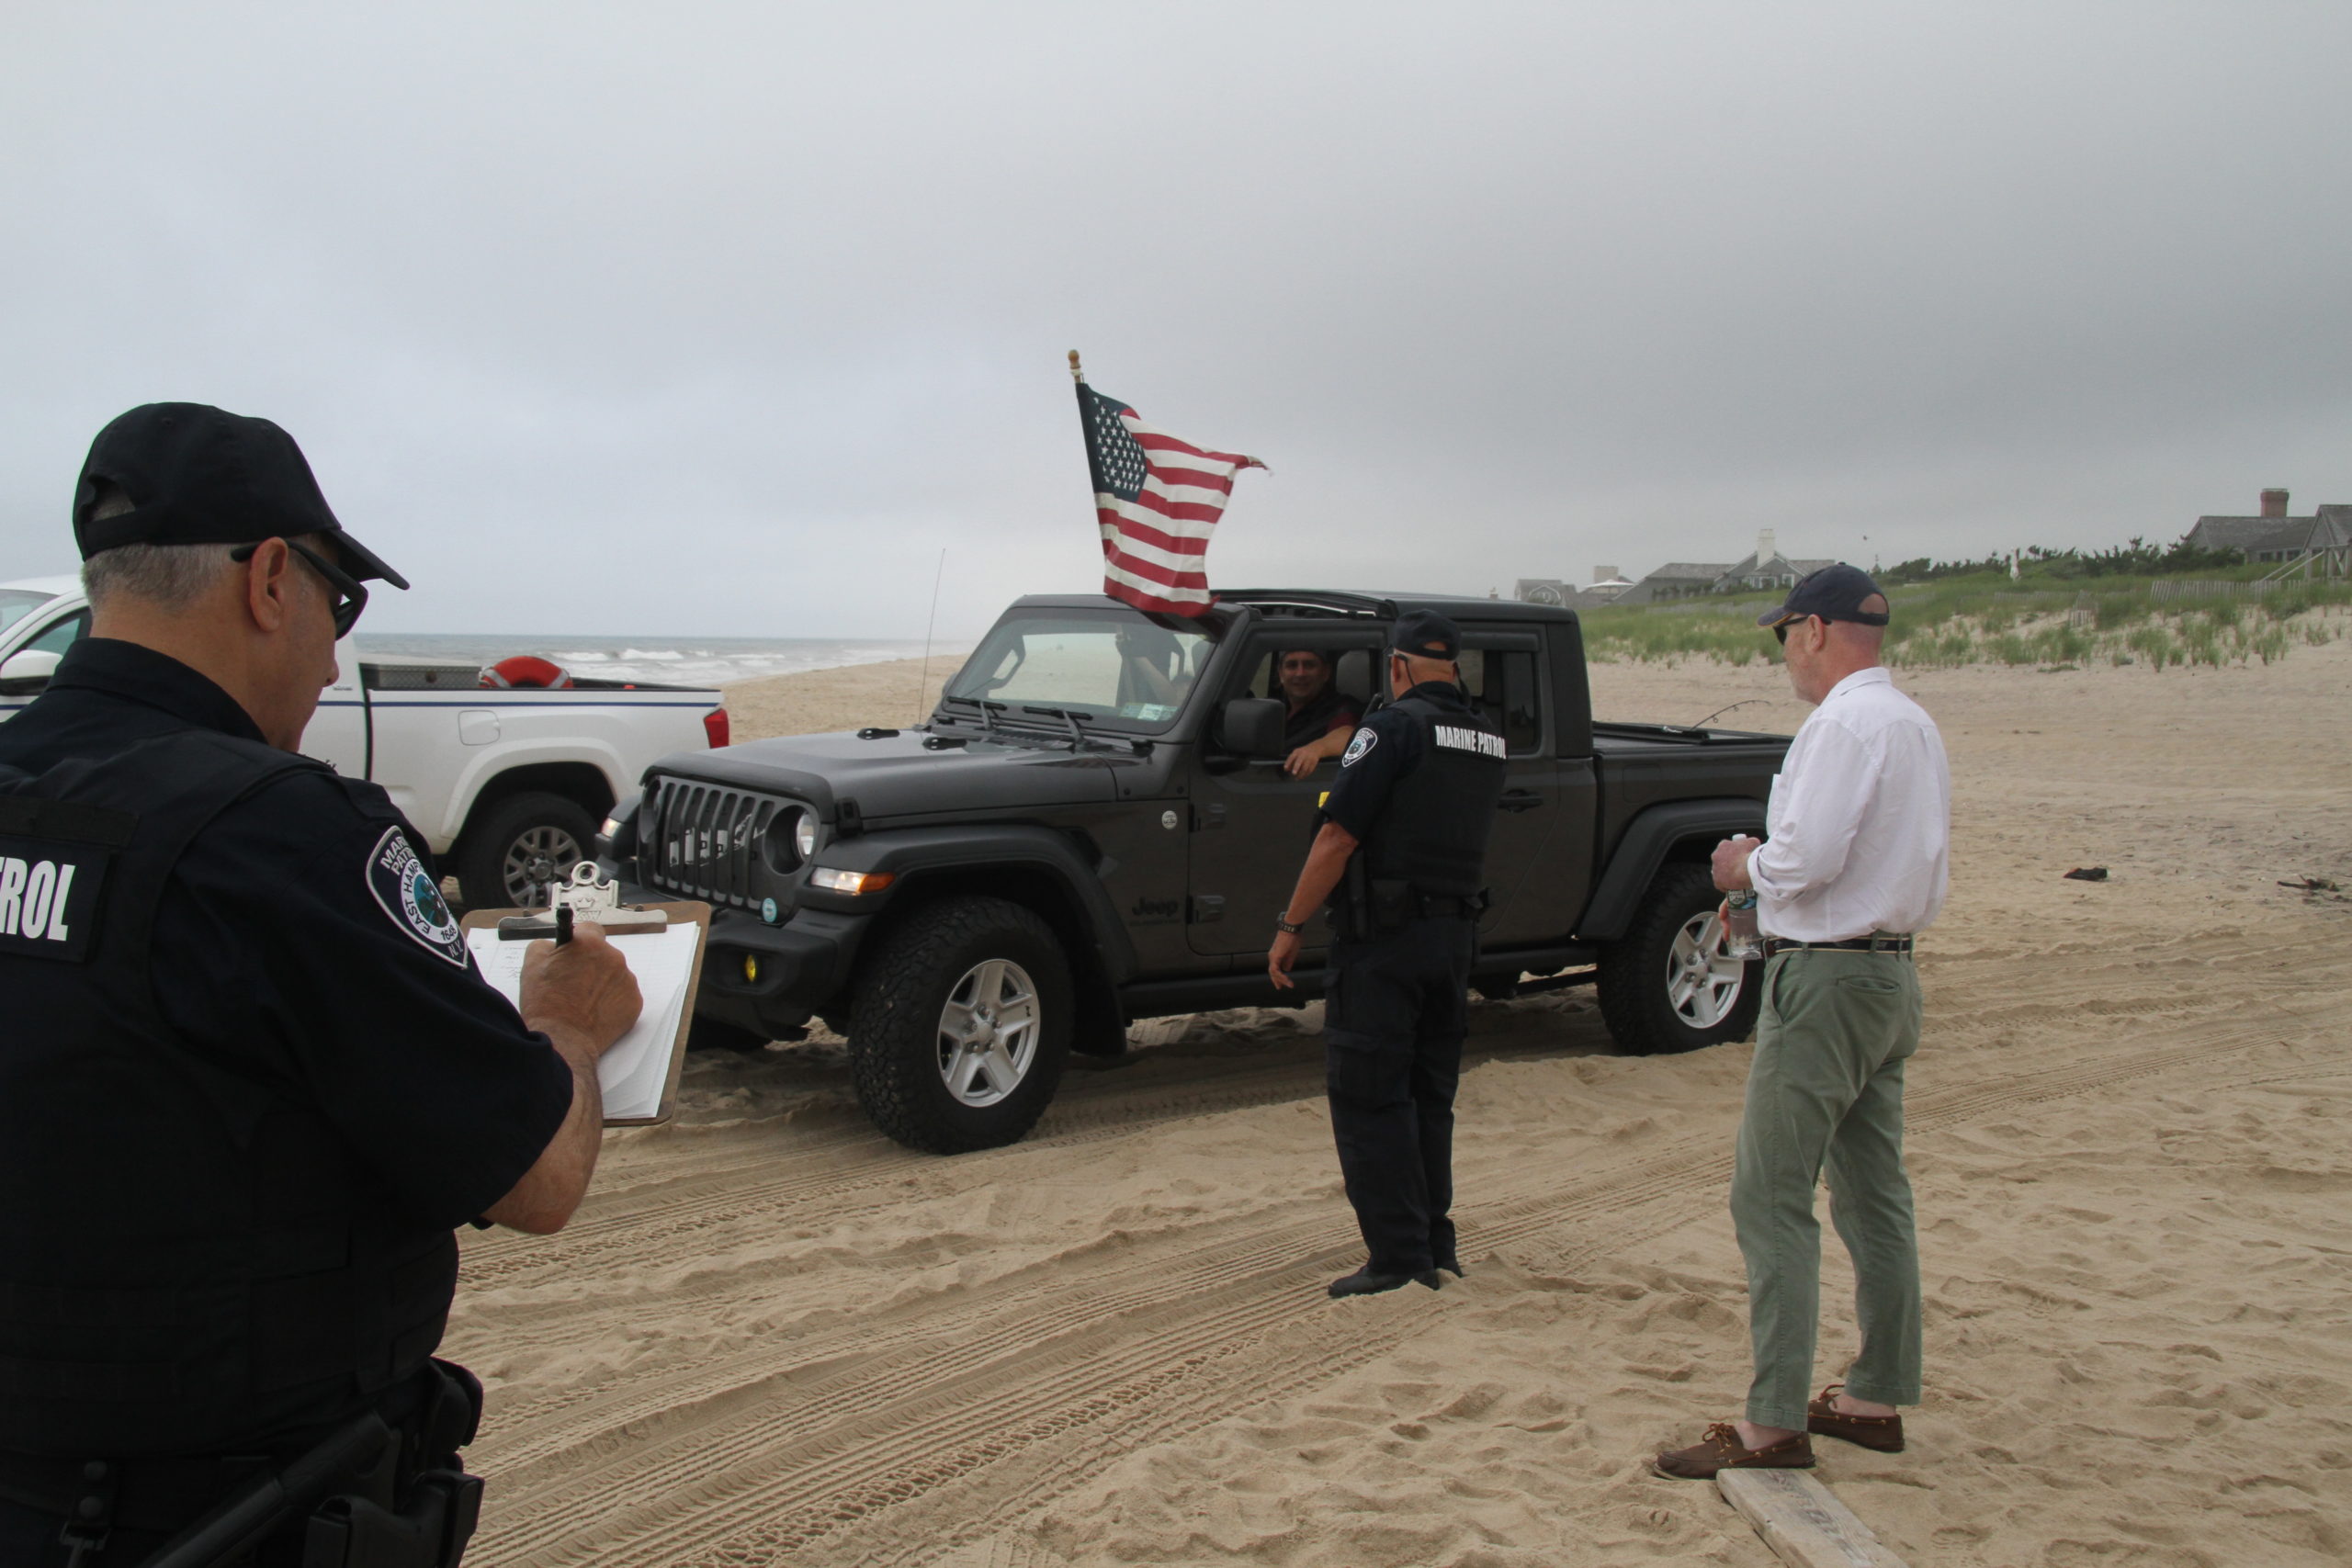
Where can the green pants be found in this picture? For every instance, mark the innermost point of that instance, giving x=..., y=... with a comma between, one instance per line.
x=1826, y=1089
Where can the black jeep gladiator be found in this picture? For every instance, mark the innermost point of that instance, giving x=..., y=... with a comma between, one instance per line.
x=1094, y=826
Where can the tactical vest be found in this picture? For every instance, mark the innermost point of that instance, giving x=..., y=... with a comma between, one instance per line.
x=182, y=1244
x=1432, y=832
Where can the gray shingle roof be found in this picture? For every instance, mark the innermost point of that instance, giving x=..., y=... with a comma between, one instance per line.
x=2259, y=535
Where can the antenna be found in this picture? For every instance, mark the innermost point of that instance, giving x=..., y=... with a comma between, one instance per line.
x=922, y=671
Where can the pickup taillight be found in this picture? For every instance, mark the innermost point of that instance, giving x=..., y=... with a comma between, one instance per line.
x=714, y=724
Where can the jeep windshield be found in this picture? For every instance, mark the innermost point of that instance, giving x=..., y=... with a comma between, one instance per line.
x=1118, y=669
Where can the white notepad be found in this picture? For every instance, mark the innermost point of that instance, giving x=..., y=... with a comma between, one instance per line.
x=634, y=1072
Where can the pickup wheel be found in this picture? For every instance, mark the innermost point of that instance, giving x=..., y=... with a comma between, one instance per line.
x=518, y=846
x=961, y=1026
x=1669, y=986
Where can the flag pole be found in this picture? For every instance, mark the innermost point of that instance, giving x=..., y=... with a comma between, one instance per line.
x=1074, y=373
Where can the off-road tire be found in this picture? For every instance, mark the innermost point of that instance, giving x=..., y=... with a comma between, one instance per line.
x=532, y=825
x=903, y=989
x=1636, y=972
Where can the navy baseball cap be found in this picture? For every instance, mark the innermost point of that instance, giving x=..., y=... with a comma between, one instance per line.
x=1425, y=633
x=1835, y=593
x=197, y=474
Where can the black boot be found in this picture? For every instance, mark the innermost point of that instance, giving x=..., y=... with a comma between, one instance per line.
x=1365, y=1282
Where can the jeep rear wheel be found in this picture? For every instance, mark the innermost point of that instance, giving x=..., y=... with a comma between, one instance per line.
x=1668, y=985
x=961, y=1026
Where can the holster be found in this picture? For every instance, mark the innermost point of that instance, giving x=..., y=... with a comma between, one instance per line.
x=422, y=1514
x=431, y=1531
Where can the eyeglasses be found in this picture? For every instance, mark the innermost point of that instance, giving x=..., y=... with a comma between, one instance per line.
x=350, y=597
x=1781, y=630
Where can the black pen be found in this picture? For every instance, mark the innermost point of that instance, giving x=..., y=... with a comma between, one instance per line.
x=563, y=924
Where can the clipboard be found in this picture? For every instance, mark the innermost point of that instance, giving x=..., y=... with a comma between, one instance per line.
x=680, y=975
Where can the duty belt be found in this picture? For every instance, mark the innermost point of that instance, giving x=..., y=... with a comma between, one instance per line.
x=1439, y=906
x=156, y=1495
x=1897, y=942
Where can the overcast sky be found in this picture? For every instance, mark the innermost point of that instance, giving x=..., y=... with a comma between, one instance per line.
x=729, y=319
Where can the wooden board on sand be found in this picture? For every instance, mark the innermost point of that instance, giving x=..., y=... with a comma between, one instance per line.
x=1802, y=1520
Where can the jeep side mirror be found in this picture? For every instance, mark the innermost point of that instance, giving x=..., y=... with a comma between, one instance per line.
x=27, y=671
x=1252, y=726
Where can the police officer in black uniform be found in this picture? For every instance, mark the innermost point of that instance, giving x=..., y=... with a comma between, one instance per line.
x=250, y=1081
x=1401, y=857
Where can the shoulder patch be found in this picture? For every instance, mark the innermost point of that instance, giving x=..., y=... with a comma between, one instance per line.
x=404, y=888
x=1365, y=739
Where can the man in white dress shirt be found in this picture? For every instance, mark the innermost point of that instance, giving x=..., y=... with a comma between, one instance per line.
x=1856, y=864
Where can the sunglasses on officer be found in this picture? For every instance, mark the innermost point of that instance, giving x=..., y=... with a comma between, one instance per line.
x=350, y=597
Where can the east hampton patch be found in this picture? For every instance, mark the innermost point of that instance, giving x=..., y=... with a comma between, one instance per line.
x=1365, y=739
x=404, y=886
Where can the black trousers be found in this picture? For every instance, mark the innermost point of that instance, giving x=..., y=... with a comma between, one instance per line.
x=1395, y=1007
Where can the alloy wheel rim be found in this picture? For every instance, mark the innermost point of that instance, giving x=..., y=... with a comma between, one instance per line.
x=1702, y=979
x=537, y=858
x=988, y=1032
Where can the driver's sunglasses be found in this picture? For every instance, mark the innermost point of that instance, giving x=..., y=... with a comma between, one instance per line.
x=350, y=597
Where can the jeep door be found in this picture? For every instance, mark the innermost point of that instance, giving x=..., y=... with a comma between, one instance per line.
x=1504, y=671
x=1251, y=822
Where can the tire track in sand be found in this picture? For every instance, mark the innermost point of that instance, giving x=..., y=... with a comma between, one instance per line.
x=722, y=1481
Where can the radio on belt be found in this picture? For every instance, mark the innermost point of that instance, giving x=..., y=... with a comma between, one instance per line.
x=581, y=897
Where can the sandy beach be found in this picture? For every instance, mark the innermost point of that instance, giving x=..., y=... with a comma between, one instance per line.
x=771, y=1336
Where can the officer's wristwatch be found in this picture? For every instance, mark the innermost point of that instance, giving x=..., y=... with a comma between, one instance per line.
x=1284, y=927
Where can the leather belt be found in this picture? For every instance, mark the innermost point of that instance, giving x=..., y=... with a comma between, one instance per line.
x=1897, y=942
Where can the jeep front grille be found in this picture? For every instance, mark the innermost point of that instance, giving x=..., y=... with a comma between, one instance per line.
x=706, y=841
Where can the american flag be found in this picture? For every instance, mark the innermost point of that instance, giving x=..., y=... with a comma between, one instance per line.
x=1158, y=500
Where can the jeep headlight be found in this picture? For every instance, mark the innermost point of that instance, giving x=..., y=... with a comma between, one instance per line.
x=790, y=839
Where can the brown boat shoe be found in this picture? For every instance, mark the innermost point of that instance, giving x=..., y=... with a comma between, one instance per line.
x=1883, y=1434
x=1721, y=1449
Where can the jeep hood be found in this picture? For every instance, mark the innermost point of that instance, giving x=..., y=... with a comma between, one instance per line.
x=896, y=775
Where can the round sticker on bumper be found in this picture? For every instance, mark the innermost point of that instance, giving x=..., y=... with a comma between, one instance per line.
x=403, y=886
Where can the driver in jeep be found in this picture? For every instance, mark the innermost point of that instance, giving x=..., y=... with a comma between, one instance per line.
x=1321, y=719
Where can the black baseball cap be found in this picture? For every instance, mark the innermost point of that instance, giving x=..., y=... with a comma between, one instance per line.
x=1425, y=633
x=1835, y=593
x=197, y=474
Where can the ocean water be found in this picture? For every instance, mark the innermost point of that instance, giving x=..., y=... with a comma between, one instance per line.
x=669, y=661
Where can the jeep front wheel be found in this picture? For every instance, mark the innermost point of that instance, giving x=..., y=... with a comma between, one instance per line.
x=1668, y=985
x=961, y=1026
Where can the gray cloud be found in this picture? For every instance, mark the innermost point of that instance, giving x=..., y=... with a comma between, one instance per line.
x=734, y=317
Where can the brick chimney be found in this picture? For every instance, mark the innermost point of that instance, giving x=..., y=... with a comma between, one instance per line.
x=2274, y=504
x=1765, y=549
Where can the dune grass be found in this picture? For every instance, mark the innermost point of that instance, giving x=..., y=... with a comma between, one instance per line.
x=1988, y=619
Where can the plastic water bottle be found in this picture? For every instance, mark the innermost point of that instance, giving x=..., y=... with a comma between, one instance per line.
x=1741, y=939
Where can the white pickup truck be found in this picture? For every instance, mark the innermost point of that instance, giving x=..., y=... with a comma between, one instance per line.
x=508, y=784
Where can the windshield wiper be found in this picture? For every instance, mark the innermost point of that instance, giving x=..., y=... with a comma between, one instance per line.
x=1079, y=738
